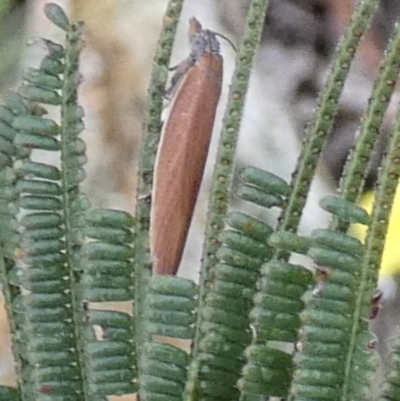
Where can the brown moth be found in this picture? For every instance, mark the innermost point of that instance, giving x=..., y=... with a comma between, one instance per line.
x=183, y=148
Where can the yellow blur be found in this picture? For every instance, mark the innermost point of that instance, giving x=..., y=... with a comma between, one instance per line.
x=390, y=264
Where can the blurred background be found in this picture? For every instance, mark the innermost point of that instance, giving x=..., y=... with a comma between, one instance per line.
x=297, y=46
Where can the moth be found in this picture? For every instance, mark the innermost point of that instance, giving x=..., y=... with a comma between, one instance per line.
x=183, y=148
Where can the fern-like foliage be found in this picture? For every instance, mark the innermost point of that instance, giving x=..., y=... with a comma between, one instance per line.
x=169, y=314
x=108, y=348
x=327, y=319
x=258, y=324
x=59, y=256
x=224, y=326
x=268, y=318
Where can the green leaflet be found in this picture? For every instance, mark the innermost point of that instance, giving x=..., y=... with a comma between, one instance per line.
x=344, y=209
x=267, y=379
x=249, y=226
x=338, y=241
x=164, y=370
x=265, y=181
x=276, y=309
x=36, y=124
x=290, y=242
x=51, y=65
x=57, y=16
x=170, y=306
x=110, y=369
x=7, y=135
x=258, y=197
x=108, y=276
x=327, y=321
x=276, y=314
x=42, y=78
x=262, y=188
x=37, y=187
x=41, y=95
x=33, y=141
x=39, y=170
x=225, y=324
x=284, y=284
